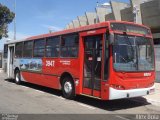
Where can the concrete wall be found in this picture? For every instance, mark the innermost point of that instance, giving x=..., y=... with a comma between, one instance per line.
x=157, y=54
x=151, y=14
x=71, y=25
x=127, y=14
x=101, y=12
x=137, y=3
x=116, y=8
x=156, y=35
x=91, y=18
x=67, y=26
x=76, y=23
x=109, y=16
x=82, y=20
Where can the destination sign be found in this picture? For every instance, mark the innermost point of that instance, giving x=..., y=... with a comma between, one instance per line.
x=130, y=28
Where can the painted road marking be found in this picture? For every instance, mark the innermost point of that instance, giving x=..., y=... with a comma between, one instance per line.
x=25, y=87
x=61, y=98
x=84, y=105
x=51, y=95
x=40, y=91
x=122, y=117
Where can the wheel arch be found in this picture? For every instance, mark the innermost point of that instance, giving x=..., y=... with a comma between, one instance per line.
x=66, y=74
x=17, y=68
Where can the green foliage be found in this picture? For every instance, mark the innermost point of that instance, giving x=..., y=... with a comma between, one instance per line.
x=6, y=17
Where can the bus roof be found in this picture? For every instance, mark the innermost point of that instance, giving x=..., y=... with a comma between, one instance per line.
x=74, y=30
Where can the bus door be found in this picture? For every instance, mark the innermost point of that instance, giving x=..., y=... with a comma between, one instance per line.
x=92, y=65
x=10, y=61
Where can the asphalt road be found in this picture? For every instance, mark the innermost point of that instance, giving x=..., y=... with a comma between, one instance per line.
x=32, y=99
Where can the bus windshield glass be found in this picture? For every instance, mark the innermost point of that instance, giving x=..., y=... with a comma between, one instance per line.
x=133, y=53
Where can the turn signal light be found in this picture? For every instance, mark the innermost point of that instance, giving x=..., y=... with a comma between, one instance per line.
x=119, y=87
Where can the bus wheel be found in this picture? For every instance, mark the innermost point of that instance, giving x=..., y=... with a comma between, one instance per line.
x=17, y=77
x=68, y=88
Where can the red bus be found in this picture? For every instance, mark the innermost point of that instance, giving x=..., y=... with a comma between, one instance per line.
x=109, y=60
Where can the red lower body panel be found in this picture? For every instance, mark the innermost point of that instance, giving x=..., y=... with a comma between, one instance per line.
x=41, y=79
x=88, y=91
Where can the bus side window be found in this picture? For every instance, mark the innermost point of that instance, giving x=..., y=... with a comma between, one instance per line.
x=5, y=55
x=27, y=49
x=39, y=48
x=52, y=47
x=69, y=46
x=18, y=50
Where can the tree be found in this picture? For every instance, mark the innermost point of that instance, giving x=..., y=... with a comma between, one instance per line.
x=6, y=17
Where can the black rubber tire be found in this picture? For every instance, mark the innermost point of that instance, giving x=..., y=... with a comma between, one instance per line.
x=17, y=77
x=70, y=95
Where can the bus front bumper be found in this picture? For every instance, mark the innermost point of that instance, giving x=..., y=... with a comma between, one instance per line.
x=119, y=94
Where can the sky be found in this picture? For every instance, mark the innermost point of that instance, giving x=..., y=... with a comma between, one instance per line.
x=34, y=17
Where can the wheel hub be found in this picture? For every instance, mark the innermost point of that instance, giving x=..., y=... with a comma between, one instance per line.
x=17, y=77
x=67, y=87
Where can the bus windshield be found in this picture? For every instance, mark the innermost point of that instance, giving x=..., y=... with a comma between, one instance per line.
x=133, y=53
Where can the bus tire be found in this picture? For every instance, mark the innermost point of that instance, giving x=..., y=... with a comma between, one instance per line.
x=68, y=88
x=17, y=77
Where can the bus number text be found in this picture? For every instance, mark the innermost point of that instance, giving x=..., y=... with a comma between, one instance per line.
x=50, y=63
